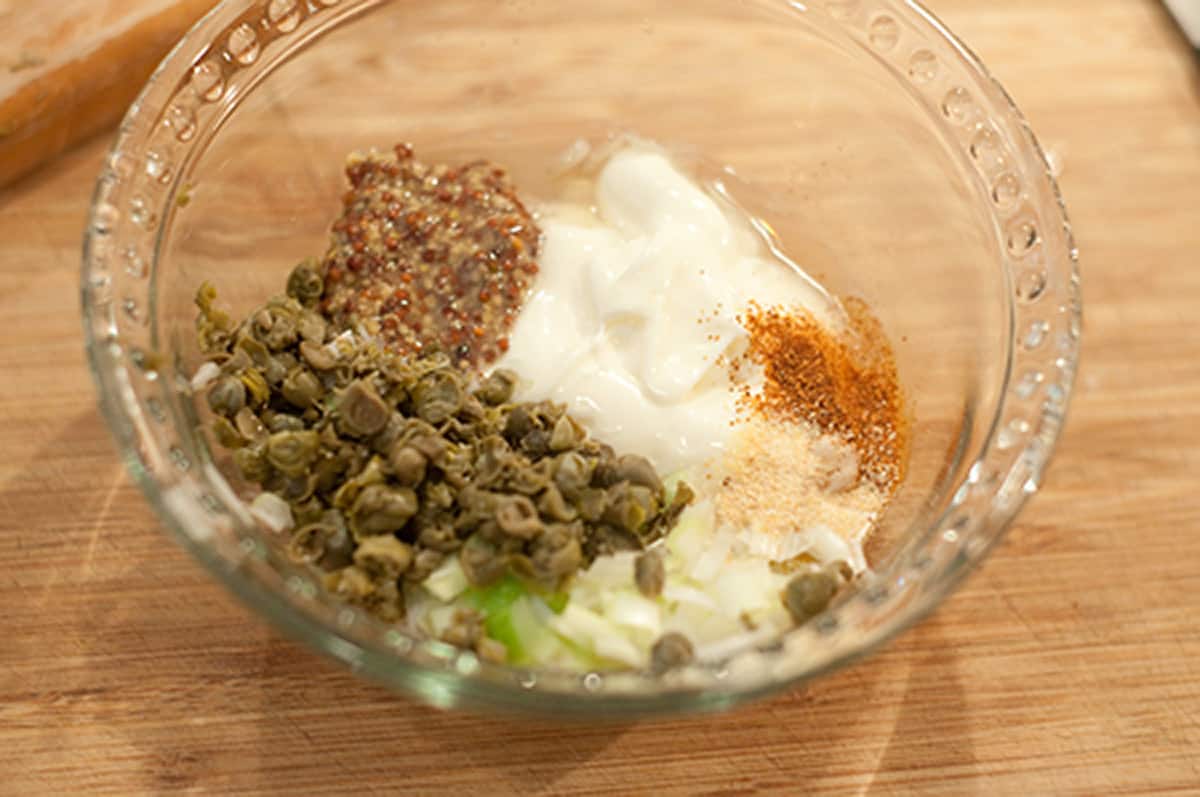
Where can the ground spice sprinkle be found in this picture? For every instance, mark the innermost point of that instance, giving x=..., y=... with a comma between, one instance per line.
x=844, y=384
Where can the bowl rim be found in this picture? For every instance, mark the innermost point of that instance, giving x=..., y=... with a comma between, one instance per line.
x=450, y=679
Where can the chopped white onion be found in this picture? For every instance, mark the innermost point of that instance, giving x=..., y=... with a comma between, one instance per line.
x=438, y=620
x=590, y=630
x=745, y=585
x=709, y=563
x=204, y=375
x=618, y=648
x=273, y=512
x=580, y=625
x=448, y=581
x=611, y=571
x=827, y=544
x=679, y=593
x=692, y=532
x=632, y=611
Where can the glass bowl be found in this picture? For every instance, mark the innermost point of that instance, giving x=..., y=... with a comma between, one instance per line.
x=891, y=165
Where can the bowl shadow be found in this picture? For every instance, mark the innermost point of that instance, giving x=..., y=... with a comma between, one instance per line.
x=181, y=687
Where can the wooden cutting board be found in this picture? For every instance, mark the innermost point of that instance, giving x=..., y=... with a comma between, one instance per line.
x=1068, y=665
x=70, y=69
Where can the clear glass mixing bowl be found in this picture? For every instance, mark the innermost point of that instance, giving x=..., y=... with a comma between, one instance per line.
x=889, y=162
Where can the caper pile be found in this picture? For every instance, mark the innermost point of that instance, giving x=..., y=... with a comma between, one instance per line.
x=391, y=464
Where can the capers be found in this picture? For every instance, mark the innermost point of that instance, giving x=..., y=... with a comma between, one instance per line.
x=518, y=424
x=380, y=509
x=318, y=357
x=302, y=388
x=497, y=388
x=671, y=651
x=557, y=553
x=323, y=544
x=382, y=598
x=227, y=434
x=490, y=650
x=407, y=464
x=591, y=502
x=808, y=594
x=566, y=435
x=227, y=396
x=426, y=562
x=638, y=470
x=305, y=284
x=249, y=425
x=212, y=325
x=252, y=463
x=438, y=396
x=629, y=506
x=257, y=387
x=555, y=507
x=253, y=349
x=383, y=556
x=536, y=444
x=312, y=328
x=572, y=473
x=361, y=412
x=649, y=574
x=518, y=517
x=481, y=560
x=465, y=630
x=292, y=452
x=283, y=332
x=389, y=465
x=431, y=445
x=282, y=422
x=438, y=538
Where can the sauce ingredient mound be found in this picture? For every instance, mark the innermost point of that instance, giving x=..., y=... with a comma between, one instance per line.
x=430, y=257
x=381, y=467
x=845, y=384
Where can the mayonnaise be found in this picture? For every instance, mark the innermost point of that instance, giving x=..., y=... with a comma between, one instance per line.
x=636, y=300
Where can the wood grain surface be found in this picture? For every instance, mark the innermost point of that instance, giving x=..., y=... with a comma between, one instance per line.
x=1070, y=664
x=68, y=69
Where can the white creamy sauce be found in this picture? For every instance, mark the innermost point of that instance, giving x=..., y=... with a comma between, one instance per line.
x=636, y=300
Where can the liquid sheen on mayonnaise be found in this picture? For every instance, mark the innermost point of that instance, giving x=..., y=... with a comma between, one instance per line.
x=636, y=300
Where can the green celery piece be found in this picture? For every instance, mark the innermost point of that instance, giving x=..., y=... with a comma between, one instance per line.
x=495, y=602
x=498, y=597
x=557, y=601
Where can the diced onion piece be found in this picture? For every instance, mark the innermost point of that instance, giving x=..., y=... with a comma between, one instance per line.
x=671, y=482
x=827, y=545
x=618, y=648
x=439, y=619
x=580, y=625
x=204, y=376
x=448, y=581
x=709, y=563
x=273, y=512
x=615, y=570
x=692, y=533
x=745, y=585
x=342, y=345
x=591, y=631
x=541, y=611
x=776, y=547
x=701, y=625
x=678, y=593
x=634, y=612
